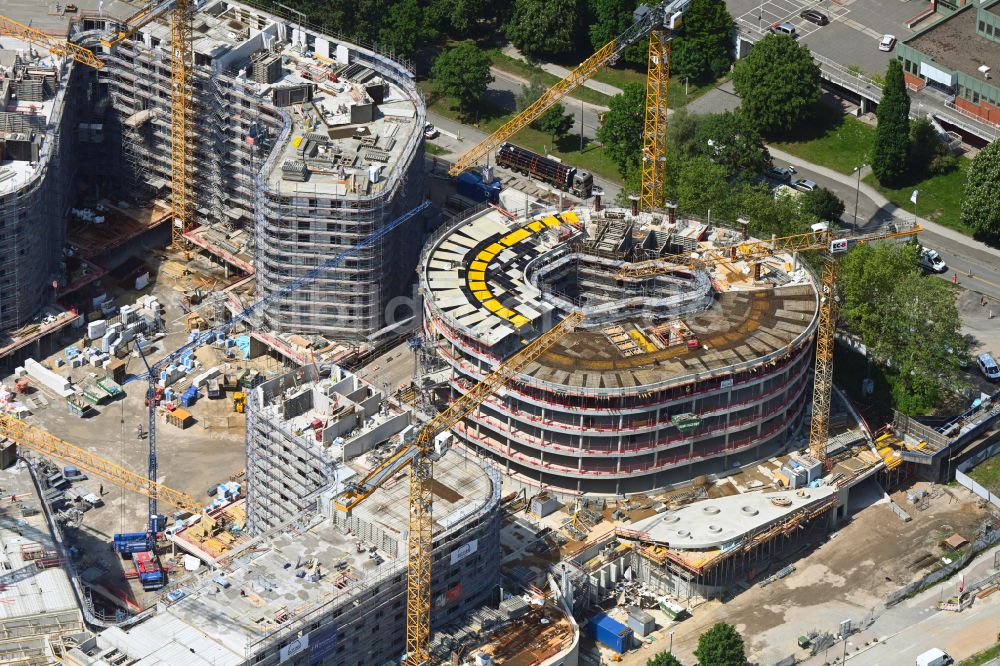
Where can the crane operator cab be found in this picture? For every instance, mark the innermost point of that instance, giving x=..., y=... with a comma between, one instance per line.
x=583, y=184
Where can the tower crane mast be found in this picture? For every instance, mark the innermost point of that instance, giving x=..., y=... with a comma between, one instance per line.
x=659, y=23
x=419, y=454
x=821, y=239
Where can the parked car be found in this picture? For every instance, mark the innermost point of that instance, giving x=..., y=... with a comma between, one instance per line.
x=931, y=261
x=784, y=28
x=805, y=185
x=886, y=43
x=988, y=366
x=782, y=174
x=431, y=132
x=813, y=16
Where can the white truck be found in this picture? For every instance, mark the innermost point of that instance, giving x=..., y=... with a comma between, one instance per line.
x=934, y=657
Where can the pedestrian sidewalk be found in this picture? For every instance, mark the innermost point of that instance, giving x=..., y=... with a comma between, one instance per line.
x=882, y=202
x=562, y=72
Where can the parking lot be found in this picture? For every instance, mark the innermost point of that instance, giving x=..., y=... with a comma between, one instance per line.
x=851, y=37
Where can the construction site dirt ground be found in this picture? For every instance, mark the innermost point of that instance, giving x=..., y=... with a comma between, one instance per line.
x=208, y=452
x=848, y=575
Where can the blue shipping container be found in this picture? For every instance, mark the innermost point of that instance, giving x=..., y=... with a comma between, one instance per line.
x=612, y=633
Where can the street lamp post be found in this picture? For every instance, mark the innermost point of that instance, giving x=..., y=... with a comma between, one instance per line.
x=670, y=650
x=857, y=196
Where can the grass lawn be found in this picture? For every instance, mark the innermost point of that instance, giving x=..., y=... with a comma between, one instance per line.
x=615, y=76
x=525, y=70
x=434, y=149
x=987, y=474
x=940, y=197
x=983, y=657
x=833, y=140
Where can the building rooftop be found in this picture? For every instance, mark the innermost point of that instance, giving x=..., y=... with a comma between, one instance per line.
x=353, y=123
x=492, y=279
x=953, y=43
x=36, y=596
x=716, y=523
x=25, y=145
x=303, y=568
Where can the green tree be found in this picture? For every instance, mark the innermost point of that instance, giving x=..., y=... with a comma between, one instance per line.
x=465, y=13
x=721, y=645
x=892, y=134
x=608, y=19
x=733, y=141
x=529, y=93
x=770, y=215
x=403, y=31
x=555, y=122
x=462, y=73
x=543, y=27
x=663, y=659
x=907, y=321
x=702, y=186
x=778, y=83
x=822, y=204
x=702, y=50
x=980, y=203
x=621, y=132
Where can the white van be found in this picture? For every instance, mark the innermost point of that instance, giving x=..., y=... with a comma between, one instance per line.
x=934, y=657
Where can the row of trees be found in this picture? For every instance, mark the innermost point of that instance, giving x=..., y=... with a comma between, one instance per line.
x=721, y=645
x=713, y=165
x=539, y=28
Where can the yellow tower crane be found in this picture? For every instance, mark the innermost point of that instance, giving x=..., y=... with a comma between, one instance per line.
x=419, y=454
x=35, y=439
x=56, y=45
x=181, y=104
x=821, y=239
x=659, y=23
x=181, y=110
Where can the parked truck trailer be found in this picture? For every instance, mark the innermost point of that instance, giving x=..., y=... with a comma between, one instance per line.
x=546, y=169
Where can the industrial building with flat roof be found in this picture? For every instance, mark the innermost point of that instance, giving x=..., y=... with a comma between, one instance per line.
x=669, y=377
x=958, y=55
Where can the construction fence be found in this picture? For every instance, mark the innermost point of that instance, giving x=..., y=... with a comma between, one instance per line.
x=977, y=546
x=968, y=482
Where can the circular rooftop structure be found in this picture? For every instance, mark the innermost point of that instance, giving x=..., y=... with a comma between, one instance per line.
x=669, y=377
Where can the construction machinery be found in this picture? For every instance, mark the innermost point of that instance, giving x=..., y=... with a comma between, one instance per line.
x=419, y=453
x=820, y=239
x=153, y=370
x=239, y=402
x=139, y=546
x=658, y=23
x=56, y=45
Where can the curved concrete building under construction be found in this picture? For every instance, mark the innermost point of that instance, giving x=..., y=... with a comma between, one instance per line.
x=669, y=377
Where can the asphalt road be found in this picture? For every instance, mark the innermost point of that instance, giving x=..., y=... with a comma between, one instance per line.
x=972, y=268
x=506, y=87
x=915, y=626
x=470, y=136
